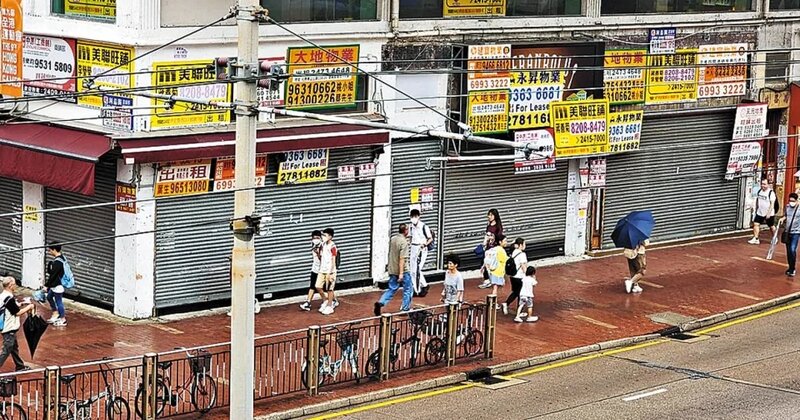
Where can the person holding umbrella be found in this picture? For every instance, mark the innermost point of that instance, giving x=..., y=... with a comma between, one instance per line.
x=637, y=265
x=632, y=234
x=11, y=312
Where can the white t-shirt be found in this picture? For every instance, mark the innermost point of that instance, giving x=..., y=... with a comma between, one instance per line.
x=764, y=204
x=519, y=258
x=12, y=321
x=527, y=286
x=327, y=258
x=419, y=232
x=315, y=255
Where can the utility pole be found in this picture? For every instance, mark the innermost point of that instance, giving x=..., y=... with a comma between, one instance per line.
x=243, y=271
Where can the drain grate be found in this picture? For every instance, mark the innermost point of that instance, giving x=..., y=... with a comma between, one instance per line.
x=496, y=382
x=682, y=336
x=493, y=380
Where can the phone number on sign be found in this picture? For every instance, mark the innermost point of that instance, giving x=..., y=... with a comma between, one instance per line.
x=181, y=188
x=303, y=175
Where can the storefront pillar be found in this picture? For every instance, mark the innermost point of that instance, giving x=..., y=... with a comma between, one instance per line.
x=382, y=228
x=33, y=271
x=575, y=237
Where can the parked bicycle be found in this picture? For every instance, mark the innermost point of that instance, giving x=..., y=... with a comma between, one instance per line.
x=466, y=335
x=329, y=369
x=10, y=409
x=199, y=385
x=419, y=320
x=72, y=408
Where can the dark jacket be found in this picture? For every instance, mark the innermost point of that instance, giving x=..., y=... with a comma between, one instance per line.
x=55, y=271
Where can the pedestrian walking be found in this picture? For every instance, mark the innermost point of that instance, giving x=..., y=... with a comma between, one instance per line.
x=791, y=233
x=453, y=290
x=421, y=238
x=327, y=271
x=54, y=285
x=316, y=253
x=11, y=311
x=526, y=296
x=766, y=207
x=398, y=269
x=497, y=264
x=494, y=228
x=521, y=264
x=637, y=266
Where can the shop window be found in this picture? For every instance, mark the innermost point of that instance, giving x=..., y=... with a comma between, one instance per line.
x=434, y=9
x=777, y=5
x=616, y=7
x=777, y=68
x=100, y=10
x=321, y=10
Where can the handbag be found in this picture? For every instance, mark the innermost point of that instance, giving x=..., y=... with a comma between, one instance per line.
x=787, y=229
x=479, y=251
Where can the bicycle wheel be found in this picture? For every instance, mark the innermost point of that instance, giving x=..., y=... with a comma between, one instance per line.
x=118, y=409
x=13, y=411
x=435, y=351
x=66, y=412
x=372, y=367
x=303, y=376
x=473, y=344
x=204, y=393
x=162, y=398
x=415, y=347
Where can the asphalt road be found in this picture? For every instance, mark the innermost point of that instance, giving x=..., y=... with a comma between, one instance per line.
x=746, y=371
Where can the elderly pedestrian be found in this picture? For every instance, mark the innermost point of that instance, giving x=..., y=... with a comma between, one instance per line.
x=11, y=312
x=791, y=233
x=398, y=271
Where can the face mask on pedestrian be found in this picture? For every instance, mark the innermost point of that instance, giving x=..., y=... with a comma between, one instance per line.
x=792, y=203
x=415, y=220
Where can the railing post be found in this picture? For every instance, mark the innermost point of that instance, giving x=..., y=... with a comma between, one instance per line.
x=149, y=385
x=489, y=327
x=312, y=360
x=385, y=346
x=451, y=337
x=52, y=392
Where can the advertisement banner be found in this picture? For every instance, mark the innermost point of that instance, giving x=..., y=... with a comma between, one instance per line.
x=624, y=76
x=743, y=159
x=580, y=128
x=542, y=159
x=573, y=59
x=530, y=97
x=12, y=46
x=672, y=77
x=488, y=67
x=44, y=57
x=473, y=8
x=304, y=166
x=126, y=192
x=119, y=119
x=98, y=9
x=346, y=173
x=319, y=79
x=624, y=131
x=188, y=177
x=225, y=173
x=94, y=58
x=662, y=40
x=187, y=79
x=487, y=111
x=751, y=121
x=724, y=72
x=597, y=173
x=270, y=98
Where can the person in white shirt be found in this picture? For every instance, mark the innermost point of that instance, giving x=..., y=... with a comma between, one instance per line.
x=316, y=254
x=521, y=261
x=327, y=271
x=764, y=211
x=526, y=296
x=421, y=238
x=12, y=311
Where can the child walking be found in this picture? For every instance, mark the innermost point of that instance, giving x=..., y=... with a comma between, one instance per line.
x=526, y=296
x=497, y=276
x=453, y=291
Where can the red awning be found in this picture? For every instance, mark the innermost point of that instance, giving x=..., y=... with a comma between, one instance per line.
x=55, y=157
x=211, y=145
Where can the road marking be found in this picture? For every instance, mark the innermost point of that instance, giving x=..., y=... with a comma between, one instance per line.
x=647, y=283
x=167, y=329
x=596, y=322
x=393, y=402
x=741, y=295
x=644, y=395
x=746, y=319
x=582, y=281
x=769, y=261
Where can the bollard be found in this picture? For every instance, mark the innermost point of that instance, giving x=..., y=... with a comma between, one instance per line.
x=312, y=360
x=52, y=392
x=451, y=336
x=490, y=324
x=149, y=386
x=385, y=347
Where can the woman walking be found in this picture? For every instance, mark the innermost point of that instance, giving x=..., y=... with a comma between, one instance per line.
x=494, y=228
x=521, y=262
x=497, y=275
x=791, y=233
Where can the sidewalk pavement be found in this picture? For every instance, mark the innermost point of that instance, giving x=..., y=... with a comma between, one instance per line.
x=579, y=304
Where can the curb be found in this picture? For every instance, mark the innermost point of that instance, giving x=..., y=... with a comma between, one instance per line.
x=525, y=363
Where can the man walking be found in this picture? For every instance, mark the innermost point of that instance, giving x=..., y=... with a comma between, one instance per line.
x=765, y=209
x=11, y=313
x=54, y=286
x=398, y=266
x=421, y=238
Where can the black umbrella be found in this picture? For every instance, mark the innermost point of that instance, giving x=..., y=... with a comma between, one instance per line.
x=34, y=327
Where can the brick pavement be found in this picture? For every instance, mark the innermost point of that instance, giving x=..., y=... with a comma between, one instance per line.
x=579, y=304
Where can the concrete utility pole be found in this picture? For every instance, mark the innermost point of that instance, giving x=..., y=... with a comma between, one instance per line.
x=243, y=271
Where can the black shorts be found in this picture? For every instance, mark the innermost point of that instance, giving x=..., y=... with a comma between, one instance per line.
x=313, y=284
x=769, y=221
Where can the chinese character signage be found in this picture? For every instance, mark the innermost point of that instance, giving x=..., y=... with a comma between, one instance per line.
x=99, y=9
x=723, y=70
x=580, y=127
x=183, y=178
x=530, y=97
x=52, y=59
x=662, y=41
x=542, y=151
x=581, y=63
x=11, y=45
x=95, y=58
x=624, y=131
x=304, y=166
x=488, y=67
x=751, y=121
x=487, y=111
x=318, y=79
x=188, y=79
x=272, y=98
x=126, y=192
x=597, y=173
x=624, y=76
x=367, y=171
x=346, y=173
x=225, y=173
x=672, y=77
x=743, y=159
x=121, y=118
x=472, y=8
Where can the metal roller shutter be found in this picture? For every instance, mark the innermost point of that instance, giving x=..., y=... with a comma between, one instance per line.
x=10, y=227
x=679, y=174
x=531, y=206
x=91, y=262
x=408, y=171
x=192, y=251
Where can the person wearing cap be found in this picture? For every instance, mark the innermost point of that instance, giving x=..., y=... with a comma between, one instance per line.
x=12, y=311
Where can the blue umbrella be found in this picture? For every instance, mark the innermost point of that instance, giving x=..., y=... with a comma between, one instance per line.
x=633, y=229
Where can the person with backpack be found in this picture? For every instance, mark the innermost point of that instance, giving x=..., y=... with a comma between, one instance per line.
x=10, y=311
x=421, y=241
x=494, y=228
x=316, y=253
x=766, y=208
x=59, y=276
x=328, y=264
x=516, y=267
x=497, y=264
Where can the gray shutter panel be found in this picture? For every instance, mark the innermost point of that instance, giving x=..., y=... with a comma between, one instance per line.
x=11, y=227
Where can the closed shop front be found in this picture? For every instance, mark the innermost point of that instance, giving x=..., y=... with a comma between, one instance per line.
x=679, y=174
x=10, y=227
x=91, y=258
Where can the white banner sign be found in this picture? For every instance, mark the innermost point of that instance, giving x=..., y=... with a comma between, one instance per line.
x=542, y=157
x=743, y=159
x=751, y=121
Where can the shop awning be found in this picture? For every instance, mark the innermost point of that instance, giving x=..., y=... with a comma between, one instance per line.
x=211, y=145
x=56, y=157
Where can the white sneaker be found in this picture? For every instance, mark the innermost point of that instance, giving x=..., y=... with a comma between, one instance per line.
x=60, y=322
x=485, y=285
x=754, y=241
x=505, y=308
x=328, y=310
x=324, y=305
x=517, y=319
x=52, y=319
x=628, y=285
x=636, y=289
x=532, y=319
x=335, y=304
x=306, y=306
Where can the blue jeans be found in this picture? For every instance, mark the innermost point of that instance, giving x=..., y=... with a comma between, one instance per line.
x=408, y=291
x=791, y=250
x=56, y=302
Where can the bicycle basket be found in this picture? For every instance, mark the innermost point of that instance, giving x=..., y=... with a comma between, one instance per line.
x=419, y=318
x=8, y=387
x=200, y=362
x=347, y=339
